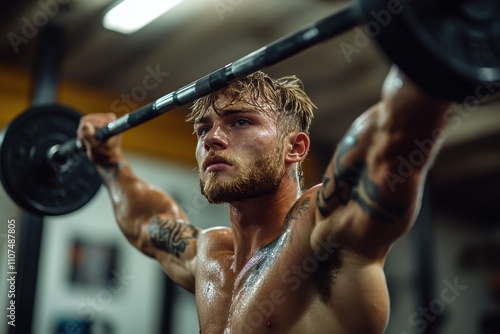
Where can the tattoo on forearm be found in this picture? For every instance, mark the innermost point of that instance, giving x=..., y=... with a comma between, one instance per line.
x=171, y=235
x=110, y=172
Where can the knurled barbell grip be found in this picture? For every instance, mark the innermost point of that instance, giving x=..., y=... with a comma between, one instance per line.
x=60, y=153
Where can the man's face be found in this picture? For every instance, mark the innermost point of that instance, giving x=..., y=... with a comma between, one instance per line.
x=238, y=152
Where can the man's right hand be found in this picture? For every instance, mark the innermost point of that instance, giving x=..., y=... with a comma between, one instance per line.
x=105, y=153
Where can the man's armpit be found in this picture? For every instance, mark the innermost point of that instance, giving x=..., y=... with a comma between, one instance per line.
x=171, y=235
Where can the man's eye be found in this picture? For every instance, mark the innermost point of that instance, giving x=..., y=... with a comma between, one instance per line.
x=203, y=132
x=241, y=122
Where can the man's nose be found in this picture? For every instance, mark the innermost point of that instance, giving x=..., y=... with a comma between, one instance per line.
x=215, y=139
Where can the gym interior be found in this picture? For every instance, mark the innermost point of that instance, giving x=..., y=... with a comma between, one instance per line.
x=82, y=274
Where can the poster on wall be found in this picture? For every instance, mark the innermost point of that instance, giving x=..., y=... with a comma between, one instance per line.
x=91, y=263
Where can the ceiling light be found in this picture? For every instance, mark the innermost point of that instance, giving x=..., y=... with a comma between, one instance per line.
x=131, y=15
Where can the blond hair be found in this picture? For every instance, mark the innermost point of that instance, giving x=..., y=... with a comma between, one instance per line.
x=286, y=97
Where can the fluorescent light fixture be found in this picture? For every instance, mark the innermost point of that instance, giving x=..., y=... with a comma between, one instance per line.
x=131, y=15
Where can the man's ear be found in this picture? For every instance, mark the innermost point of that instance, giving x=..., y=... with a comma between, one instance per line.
x=297, y=145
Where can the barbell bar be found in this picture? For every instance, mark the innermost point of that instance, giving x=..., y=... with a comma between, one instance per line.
x=448, y=47
x=262, y=58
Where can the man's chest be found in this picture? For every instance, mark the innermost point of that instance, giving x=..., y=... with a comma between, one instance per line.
x=252, y=304
x=271, y=294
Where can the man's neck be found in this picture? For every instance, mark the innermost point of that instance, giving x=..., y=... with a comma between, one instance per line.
x=258, y=221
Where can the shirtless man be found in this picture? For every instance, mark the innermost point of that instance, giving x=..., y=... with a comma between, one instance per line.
x=291, y=261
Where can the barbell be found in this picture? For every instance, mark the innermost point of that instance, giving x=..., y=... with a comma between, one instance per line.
x=449, y=47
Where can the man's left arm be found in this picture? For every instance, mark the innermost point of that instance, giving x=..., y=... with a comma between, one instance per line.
x=372, y=188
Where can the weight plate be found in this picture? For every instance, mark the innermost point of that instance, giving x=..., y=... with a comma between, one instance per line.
x=35, y=184
x=450, y=48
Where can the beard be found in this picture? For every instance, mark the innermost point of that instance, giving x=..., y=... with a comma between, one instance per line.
x=260, y=176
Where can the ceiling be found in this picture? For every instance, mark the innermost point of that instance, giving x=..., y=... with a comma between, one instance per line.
x=200, y=36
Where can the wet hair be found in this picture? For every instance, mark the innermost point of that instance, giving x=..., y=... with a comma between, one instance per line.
x=285, y=96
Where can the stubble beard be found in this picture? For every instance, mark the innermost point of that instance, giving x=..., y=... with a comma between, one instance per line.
x=261, y=176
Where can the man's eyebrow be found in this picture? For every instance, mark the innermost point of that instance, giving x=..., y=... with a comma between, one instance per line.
x=229, y=112
x=201, y=120
x=225, y=113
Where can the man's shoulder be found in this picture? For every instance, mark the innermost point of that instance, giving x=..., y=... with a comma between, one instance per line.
x=303, y=209
x=307, y=200
x=216, y=239
x=313, y=191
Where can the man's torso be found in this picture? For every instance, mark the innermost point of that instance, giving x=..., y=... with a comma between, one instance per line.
x=286, y=286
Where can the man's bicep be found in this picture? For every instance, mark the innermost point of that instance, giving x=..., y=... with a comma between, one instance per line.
x=173, y=242
x=370, y=220
x=378, y=202
x=379, y=215
x=173, y=235
x=356, y=203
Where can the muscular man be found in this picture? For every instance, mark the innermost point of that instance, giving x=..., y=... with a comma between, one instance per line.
x=292, y=261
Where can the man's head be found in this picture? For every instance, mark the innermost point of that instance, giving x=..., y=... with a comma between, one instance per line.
x=281, y=104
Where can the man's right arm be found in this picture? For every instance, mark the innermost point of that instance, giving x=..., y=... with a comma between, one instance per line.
x=150, y=219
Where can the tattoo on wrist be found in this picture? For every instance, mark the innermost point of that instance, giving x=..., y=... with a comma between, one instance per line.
x=171, y=235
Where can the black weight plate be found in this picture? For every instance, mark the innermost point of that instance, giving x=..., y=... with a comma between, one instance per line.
x=29, y=179
x=450, y=48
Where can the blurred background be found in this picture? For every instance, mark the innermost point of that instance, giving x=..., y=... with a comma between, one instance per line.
x=443, y=276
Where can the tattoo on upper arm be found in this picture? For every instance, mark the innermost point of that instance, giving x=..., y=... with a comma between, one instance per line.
x=171, y=235
x=396, y=208
x=377, y=206
x=343, y=178
x=347, y=183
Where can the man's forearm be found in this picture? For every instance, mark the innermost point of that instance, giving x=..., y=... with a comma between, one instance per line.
x=134, y=201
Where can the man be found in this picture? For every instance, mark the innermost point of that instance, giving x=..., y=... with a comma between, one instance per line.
x=292, y=261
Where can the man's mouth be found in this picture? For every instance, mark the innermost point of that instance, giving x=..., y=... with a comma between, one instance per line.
x=215, y=163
